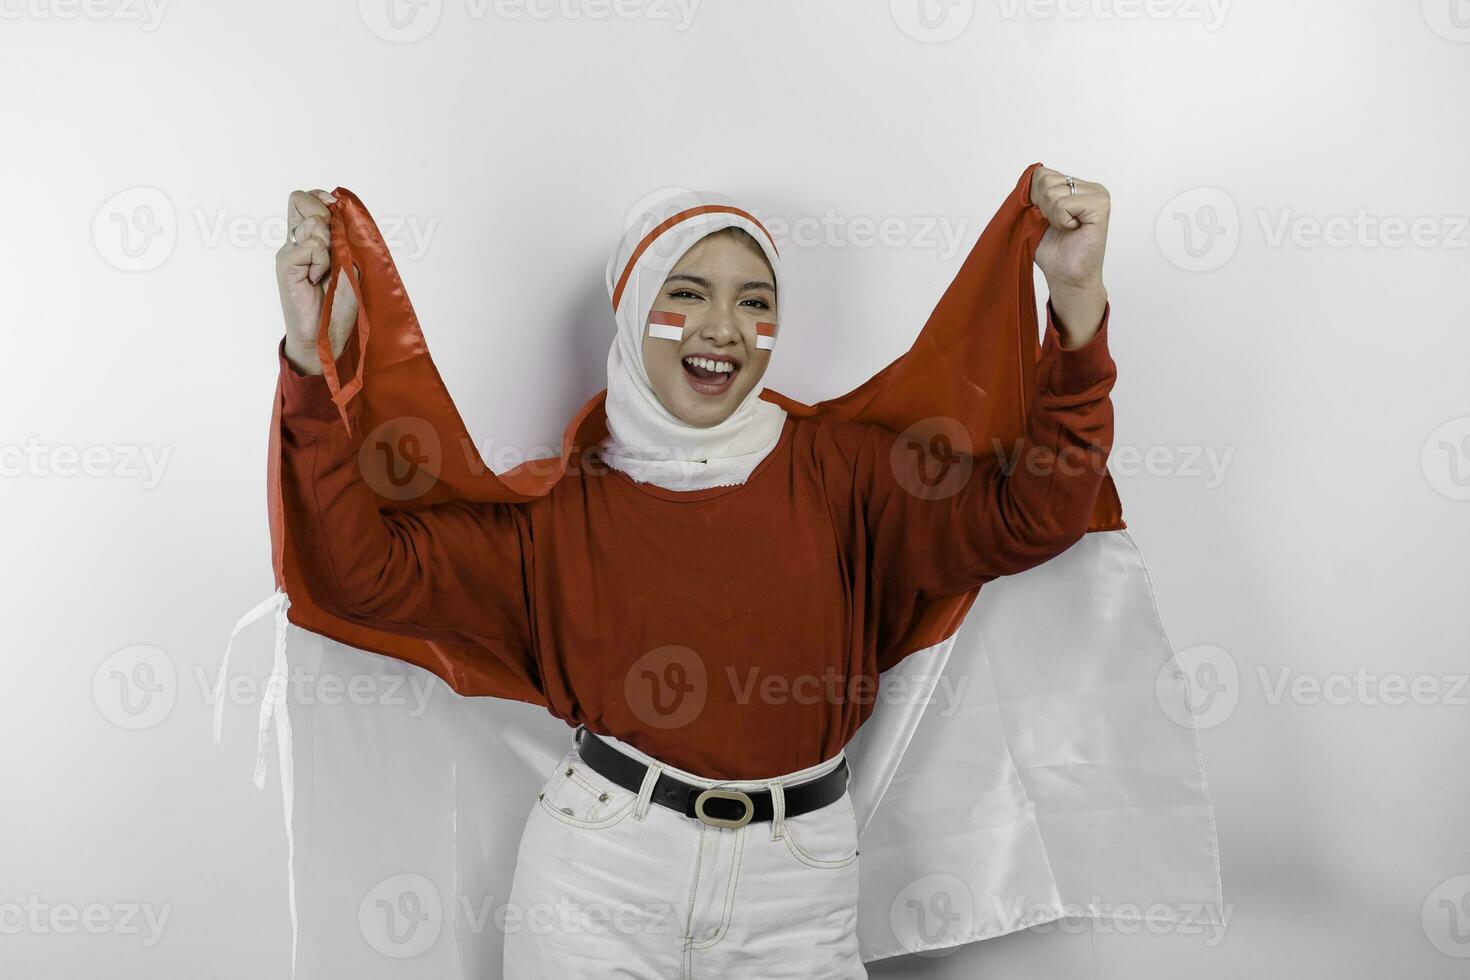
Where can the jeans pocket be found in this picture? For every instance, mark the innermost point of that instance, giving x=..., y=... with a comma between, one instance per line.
x=579, y=795
x=826, y=837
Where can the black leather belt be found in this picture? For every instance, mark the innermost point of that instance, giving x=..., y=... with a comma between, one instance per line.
x=716, y=806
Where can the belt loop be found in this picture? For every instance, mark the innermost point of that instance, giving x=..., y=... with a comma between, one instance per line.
x=778, y=809
x=645, y=792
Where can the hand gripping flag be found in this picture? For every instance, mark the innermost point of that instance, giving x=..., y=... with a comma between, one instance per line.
x=1040, y=733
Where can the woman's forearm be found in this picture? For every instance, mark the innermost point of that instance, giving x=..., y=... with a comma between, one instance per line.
x=445, y=572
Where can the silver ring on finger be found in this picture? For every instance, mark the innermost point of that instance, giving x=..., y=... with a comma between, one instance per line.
x=1071, y=185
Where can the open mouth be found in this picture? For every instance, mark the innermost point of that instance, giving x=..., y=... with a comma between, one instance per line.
x=709, y=376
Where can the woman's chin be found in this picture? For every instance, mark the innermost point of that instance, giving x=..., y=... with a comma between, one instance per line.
x=703, y=411
x=704, y=416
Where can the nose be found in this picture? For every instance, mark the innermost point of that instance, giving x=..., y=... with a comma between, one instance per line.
x=721, y=326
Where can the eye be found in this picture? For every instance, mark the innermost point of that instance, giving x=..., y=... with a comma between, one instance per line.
x=756, y=299
x=674, y=294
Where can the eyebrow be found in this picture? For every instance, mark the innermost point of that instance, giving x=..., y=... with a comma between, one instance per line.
x=705, y=283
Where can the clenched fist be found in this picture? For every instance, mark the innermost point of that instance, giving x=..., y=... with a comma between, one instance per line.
x=1070, y=254
x=302, y=266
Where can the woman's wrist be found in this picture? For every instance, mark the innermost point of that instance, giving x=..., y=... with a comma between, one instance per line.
x=304, y=361
x=1077, y=310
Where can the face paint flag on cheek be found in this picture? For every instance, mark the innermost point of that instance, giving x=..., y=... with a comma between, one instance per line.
x=663, y=325
x=765, y=336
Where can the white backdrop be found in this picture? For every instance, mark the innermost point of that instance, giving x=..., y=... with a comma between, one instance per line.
x=1287, y=267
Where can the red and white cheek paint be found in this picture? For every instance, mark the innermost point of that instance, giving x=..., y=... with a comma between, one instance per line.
x=765, y=336
x=663, y=325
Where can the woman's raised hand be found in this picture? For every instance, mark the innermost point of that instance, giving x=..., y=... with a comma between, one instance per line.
x=302, y=266
x=1070, y=254
x=1071, y=251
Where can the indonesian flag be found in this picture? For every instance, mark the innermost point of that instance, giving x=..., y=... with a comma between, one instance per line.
x=765, y=336
x=1029, y=758
x=665, y=325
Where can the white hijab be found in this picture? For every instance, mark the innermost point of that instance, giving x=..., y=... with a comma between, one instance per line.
x=646, y=440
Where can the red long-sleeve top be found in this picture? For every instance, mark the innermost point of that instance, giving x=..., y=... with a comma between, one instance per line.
x=733, y=632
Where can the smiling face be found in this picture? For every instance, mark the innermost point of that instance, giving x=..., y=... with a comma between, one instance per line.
x=723, y=287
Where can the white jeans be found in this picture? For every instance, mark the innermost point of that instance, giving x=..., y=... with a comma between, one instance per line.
x=609, y=884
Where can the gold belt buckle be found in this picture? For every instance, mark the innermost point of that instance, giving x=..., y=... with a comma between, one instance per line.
x=724, y=794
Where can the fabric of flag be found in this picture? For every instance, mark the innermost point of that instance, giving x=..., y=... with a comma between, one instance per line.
x=1029, y=760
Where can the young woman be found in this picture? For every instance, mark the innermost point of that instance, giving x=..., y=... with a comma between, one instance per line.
x=707, y=605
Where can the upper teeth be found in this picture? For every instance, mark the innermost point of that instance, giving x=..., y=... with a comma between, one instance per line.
x=709, y=365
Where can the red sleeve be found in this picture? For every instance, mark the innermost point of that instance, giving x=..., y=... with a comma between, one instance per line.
x=944, y=535
x=456, y=572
